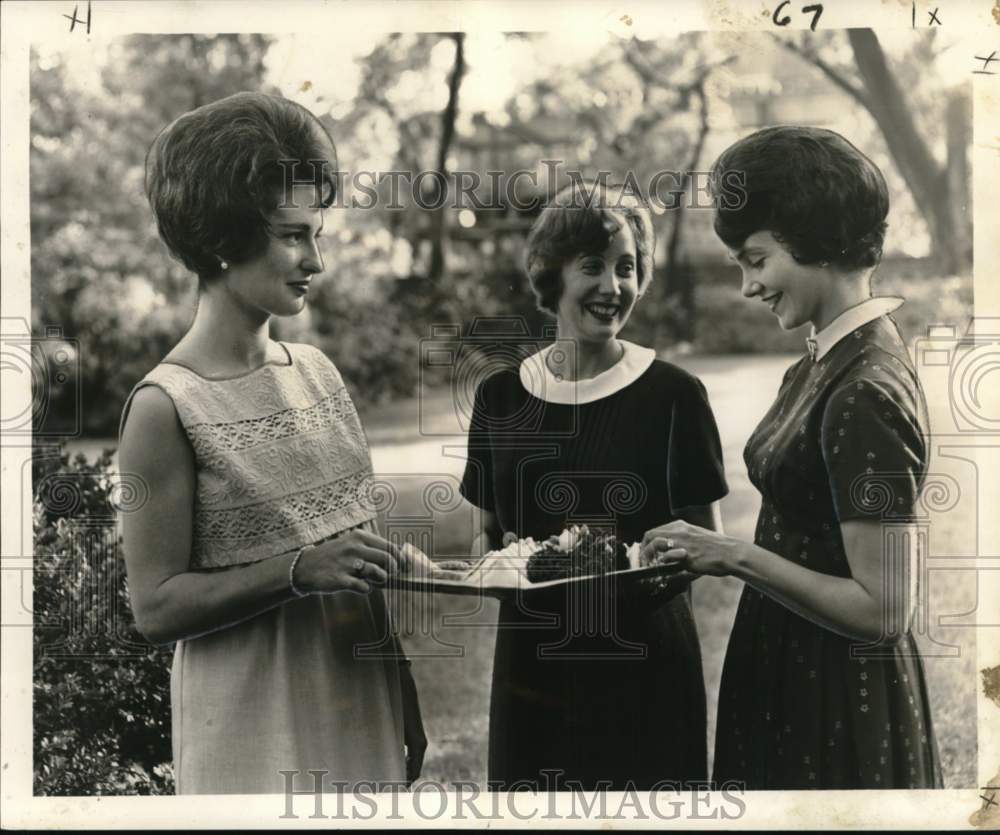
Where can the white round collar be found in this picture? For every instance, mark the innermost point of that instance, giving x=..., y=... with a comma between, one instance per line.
x=538, y=379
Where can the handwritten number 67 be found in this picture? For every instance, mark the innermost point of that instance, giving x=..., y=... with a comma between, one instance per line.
x=816, y=10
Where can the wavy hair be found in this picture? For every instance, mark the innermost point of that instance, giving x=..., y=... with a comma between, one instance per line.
x=584, y=220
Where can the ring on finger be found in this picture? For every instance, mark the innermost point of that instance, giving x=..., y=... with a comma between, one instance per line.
x=359, y=566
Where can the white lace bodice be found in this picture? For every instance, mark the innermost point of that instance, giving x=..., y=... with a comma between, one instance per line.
x=281, y=458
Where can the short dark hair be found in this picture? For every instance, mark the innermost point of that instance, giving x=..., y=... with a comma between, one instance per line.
x=213, y=173
x=811, y=188
x=582, y=219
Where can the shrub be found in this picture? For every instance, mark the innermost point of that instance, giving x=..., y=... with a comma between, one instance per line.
x=101, y=693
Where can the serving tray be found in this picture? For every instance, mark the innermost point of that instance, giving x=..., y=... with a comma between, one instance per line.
x=503, y=574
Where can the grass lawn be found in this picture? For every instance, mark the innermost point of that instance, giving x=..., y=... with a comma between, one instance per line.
x=452, y=638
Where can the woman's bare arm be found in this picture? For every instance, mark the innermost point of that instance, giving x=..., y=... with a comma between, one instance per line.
x=872, y=604
x=171, y=602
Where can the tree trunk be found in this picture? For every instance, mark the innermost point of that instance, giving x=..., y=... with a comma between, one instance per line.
x=929, y=183
x=679, y=276
x=448, y=116
x=958, y=125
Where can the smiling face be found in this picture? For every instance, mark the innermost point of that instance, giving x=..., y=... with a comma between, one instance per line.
x=599, y=290
x=275, y=283
x=796, y=293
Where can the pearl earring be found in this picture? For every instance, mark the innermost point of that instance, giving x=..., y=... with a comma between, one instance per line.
x=224, y=265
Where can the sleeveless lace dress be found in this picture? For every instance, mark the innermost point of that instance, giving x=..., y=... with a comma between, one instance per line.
x=282, y=461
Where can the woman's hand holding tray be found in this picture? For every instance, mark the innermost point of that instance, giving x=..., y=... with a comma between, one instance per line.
x=503, y=573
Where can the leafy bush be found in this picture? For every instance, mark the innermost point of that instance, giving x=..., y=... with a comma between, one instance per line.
x=101, y=693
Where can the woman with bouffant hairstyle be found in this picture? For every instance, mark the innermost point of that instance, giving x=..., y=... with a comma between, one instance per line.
x=823, y=686
x=814, y=191
x=594, y=687
x=213, y=174
x=256, y=552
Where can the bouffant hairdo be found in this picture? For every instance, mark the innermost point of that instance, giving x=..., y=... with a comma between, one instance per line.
x=811, y=188
x=213, y=174
x=583, y=219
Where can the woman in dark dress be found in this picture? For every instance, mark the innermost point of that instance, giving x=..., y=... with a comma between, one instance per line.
x=594, y=686
x=823, y=685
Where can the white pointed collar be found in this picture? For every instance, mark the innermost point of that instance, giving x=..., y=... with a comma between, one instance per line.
x=538, y=379
x=819, y=343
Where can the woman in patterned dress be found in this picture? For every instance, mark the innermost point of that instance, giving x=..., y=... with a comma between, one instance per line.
x=823, y=686
x=255, y=552
x=594, y=686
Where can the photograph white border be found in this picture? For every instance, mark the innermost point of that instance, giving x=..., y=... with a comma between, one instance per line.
x=25, y=23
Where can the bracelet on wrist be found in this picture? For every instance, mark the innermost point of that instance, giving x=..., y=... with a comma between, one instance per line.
x=291, y=572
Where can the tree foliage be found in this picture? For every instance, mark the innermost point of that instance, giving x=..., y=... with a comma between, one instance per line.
x=888, y=91
x=431, y=102
x=98, y=269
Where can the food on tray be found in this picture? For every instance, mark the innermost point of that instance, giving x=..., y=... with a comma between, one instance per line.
x=579, y=552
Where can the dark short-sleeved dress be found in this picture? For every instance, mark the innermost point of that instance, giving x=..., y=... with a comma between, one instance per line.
x=597, y=685
x=843, y=441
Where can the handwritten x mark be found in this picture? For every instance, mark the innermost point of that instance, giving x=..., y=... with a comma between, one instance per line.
x=986, y=62
x=73, y=19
